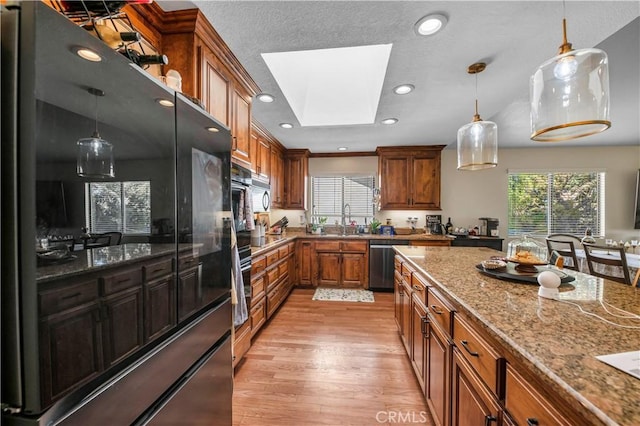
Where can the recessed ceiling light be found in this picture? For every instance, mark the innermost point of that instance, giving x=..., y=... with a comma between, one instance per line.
x=430, y=24
x=342, y=148
x=165, y=102
x=286, y=125
x=88, y=54
x=390, y=121
x=213, y=129
x=403, y=89
x=265, y=97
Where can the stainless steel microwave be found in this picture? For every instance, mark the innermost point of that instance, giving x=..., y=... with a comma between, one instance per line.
x=261, y=196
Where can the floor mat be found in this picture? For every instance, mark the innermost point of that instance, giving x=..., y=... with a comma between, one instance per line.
x=343, y=295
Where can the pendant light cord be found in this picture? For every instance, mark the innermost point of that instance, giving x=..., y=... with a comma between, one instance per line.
x=96, y=120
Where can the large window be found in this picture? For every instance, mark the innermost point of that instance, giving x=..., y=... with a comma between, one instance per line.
x=542, y=203
x=119, y=206
x=330, y=195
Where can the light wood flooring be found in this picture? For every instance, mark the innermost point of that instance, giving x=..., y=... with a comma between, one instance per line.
x=328, y=363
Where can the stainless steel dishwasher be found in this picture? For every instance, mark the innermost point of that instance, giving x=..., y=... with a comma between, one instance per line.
x=381, y=264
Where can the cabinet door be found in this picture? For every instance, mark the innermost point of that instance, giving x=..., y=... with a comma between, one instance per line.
x=122, y=325
x=188, y=295
x=254, y=152
x=438, y=379
x=471, y=403
x=426, y=181
x=295, y=180
x=329, y=269
x=215, y=87
x=353, y=269
x=70, y=350
x=159, y=303
x=264, y=159
x=398, y=295
x=258, y=315
x=305, y=255
x=419, y=339
x=406, y=317
x=241, y=128
x=395, y=183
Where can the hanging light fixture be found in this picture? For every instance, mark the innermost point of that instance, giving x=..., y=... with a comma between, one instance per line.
x=95, y=155
x=570, y=94
x=478, y=140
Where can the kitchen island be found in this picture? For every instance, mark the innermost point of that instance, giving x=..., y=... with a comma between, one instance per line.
x=535, y=346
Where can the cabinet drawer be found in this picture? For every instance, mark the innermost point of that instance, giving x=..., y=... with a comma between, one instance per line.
x=57, y=300
x=187, y=262
x=283, y=269
x=332, y=246
x=272, y=277
x=158, y=269
x=354, y=246
x=477, y=351
x=283, y=252
x=258, y=264
x=258, y=316
x=419, y=287
x=272, y=257
x=439, y=310
x=258, y=287
x=526, y=406
x=406, y=272
x=241, y=342
x=121, y=279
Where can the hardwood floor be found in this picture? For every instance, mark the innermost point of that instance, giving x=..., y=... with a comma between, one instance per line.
x=328, y=363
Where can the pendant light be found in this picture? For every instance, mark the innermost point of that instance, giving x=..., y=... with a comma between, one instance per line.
x=478, y=140
x=95, y=155
x=570, y=94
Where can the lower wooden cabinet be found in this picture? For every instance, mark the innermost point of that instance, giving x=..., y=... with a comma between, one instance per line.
x=419, y=340
x=438, y=378
x=160, y=302
x=430, y=243
x=526, y=406
x=471, y=402
x=241, y=341
x=122, y=324
x=339, y=263
x=258, y=315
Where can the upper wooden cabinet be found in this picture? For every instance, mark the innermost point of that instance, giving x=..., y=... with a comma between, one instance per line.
x=277, y=178
x=409, y=177
x=296, y=175
x=210, y=71
x=260, y=152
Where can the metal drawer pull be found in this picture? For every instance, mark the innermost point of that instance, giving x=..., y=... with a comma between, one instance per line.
x=435, y=310
x=489, y=419
x=417, y=287
x=464, y=345
x=532, y=421
x=423, y=325
x=71, y=296
x=158, y=270
x=123, y=280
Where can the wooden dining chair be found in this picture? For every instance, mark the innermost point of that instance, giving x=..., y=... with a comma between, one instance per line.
x=598, y=255
x=565, y=245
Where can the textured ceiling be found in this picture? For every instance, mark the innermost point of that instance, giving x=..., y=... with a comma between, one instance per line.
x=513, y=37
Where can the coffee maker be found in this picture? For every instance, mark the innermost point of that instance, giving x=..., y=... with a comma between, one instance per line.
x=489, y=226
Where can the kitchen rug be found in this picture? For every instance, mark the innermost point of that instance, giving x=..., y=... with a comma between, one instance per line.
x=343, y=295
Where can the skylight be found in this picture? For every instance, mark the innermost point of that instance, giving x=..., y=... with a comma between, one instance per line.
x=332, y=87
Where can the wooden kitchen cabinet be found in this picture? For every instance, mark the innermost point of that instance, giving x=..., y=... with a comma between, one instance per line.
x=160, y=302
x=122, y=325
x=471, y=403
x=342, y=263
x=215, y=86
x=260, y=153
x=241, y=125
x=409, y=177
x=419, y=339
x=305, y=255
x=438, y=384
x=277, y=178
x=296, y=177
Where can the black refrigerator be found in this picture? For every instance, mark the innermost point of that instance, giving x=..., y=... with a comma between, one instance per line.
x=137, y=330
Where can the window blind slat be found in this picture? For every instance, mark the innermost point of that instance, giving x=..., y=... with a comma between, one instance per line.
x=330, y=194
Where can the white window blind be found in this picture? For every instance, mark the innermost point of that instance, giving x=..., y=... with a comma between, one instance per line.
x=119, y=206
x=330, y=195
x=542, y=203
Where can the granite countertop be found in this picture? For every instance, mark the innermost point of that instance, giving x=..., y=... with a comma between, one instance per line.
x=552, y=338
x=104, y=257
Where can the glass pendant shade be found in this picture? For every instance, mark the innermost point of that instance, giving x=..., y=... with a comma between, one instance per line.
x=478, y=145
x=569, y=95
x=95, y=155
x=95, y=158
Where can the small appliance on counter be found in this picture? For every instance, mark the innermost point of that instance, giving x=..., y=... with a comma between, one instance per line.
x=489, y=226
x=434, y=224
x=279, y=226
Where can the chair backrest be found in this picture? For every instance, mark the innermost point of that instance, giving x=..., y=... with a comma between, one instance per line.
x=565, y=245
x=612, y=257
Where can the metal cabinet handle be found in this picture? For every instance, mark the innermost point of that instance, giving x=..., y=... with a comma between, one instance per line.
x=423, y=325
x=489, y=419
x=417, y=287
x=465, y=345
x=71, y=296
x=435, y=310
x=531, y=421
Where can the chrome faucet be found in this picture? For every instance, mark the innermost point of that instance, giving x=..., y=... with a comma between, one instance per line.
x=344, y=218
